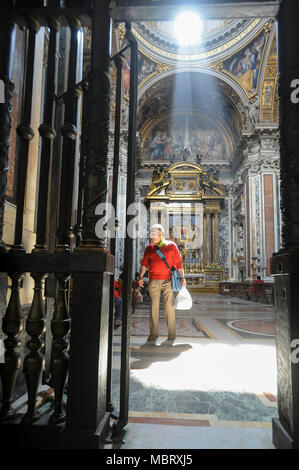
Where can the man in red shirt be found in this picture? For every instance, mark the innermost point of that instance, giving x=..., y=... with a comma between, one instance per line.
x=160, y=279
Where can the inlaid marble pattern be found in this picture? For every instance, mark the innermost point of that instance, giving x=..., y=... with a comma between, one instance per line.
x=250, y=328
x=227, y=406
x=190, y=327
x=226, y=380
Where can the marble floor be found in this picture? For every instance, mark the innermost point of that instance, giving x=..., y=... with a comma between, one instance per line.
x=214, y=388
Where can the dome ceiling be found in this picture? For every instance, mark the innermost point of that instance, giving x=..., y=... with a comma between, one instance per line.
x=219, y=39
x=199, y=99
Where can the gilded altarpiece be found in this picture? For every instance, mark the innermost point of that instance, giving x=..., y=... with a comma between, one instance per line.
x=187, y=200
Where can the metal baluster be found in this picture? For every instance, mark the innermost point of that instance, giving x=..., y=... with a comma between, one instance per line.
x=60, y=326
x=47, y=133
x=78, y=228
x=12, y=326
x=128, y=261
x=34, y=361
x=119, y=64
x=69, y=133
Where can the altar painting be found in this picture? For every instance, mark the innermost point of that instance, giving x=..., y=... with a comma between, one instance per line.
x=185, y=138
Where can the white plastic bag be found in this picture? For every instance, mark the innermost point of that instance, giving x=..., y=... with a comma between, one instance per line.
x=183, y=300
x=138, y=297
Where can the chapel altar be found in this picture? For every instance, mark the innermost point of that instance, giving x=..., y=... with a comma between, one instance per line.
x=186, y=200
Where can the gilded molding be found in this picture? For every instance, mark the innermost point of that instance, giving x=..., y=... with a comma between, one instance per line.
x=185, y=180
x=269, y=99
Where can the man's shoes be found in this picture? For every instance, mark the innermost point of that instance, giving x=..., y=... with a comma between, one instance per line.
x=168, y=342
x=152, y=339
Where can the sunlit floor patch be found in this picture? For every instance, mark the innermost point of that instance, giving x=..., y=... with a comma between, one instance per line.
x=237, y=368
x=223, y=379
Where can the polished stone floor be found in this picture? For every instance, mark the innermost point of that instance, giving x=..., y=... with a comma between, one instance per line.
x=215, y=387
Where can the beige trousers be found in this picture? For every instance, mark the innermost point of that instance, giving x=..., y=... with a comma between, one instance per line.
x=155, y=288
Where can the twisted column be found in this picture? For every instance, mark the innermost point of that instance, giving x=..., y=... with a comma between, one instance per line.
x=97, y=126
x=7, y=38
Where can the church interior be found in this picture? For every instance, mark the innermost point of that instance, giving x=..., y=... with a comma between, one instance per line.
x=117, y=116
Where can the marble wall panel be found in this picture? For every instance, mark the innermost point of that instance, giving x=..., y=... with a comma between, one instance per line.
x=224, y=236
x=269, y=218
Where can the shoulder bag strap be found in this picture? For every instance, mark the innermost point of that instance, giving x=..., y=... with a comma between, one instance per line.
x=162, y=256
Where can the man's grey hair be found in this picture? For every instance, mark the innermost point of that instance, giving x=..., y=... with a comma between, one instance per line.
x=157, y=227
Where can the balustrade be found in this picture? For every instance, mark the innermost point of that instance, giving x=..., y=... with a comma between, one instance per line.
x=34, y=360
x=80, y=343
x=12, y=326
x=57, y=164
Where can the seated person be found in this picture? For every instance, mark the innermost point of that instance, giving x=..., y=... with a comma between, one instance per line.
x=257, y=288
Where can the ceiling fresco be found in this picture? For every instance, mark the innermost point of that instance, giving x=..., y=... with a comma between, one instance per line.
x=188, y=112
x=197, y=110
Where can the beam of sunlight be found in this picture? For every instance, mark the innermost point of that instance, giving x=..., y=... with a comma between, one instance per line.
x=187, y=28
x=248, y=368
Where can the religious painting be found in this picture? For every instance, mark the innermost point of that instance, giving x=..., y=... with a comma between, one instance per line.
x=267, y=93
x=185, y=137
x=245, y=65
x=145, y=67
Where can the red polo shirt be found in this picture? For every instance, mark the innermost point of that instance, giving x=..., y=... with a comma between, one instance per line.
x=157, y=267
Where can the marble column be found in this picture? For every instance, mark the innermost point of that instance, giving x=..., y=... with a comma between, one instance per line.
x=207, y=233
x=269, y=227
x=285, y=263
x=216, y=237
